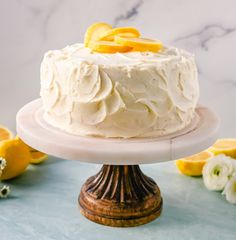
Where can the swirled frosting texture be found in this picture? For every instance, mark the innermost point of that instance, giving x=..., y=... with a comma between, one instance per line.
x=119, y=95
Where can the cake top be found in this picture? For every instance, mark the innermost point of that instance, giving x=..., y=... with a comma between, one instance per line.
x=117, y=46
x=78, y=52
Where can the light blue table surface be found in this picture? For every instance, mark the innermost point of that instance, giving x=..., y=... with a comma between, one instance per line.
x=43, y=205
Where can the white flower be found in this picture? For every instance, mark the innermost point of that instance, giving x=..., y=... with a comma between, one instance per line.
x=234, y=164
x=3, y=163
x=217, y=172
x=4, y=191
x=230, y=190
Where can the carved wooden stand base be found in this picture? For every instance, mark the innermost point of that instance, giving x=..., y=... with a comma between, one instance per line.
x=120, y=196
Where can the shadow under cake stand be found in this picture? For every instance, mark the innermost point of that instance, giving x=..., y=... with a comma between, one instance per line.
x=120, y=194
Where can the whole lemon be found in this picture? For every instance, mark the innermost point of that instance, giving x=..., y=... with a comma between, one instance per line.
x=17, y=157
x=36, y=157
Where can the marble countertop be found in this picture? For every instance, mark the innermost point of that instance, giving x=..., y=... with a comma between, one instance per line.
x=43, y=205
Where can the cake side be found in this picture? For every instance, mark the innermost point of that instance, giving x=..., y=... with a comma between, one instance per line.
x=134, y=94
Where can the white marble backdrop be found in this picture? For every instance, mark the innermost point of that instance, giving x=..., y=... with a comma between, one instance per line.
x=28, y=28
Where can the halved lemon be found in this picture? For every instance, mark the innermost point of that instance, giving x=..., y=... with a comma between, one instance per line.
x=129, y=32
x=37, y=157
x=17, y=158
x=225, y=146
x=139, y=44
x=108, y=47
x=193, y=165
x=5, y=133
x=94, y=32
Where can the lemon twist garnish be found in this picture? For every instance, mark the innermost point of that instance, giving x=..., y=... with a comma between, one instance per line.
x=122, y=31
x=94, y=32
x=102, y=38
x=108, y=47
x=139, y=44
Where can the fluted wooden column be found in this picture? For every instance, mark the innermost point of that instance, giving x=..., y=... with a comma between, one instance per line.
x=120, y=196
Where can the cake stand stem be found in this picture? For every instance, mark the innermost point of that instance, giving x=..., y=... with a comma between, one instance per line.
x=120, y=196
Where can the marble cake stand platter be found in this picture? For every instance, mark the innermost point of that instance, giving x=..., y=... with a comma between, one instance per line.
x=120, y=194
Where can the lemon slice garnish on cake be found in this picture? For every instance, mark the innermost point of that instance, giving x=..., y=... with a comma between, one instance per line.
x=102, y=38
x=108, y=47
x=225, y=146
x=5, y=133
x=17, y=157
x=139, y=44
x=129, y=32
x=193, y=165
x=94, y=32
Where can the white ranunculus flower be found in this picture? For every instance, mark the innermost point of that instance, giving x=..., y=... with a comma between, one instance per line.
x=230, y=190
x=234, y=171
x=217, y=172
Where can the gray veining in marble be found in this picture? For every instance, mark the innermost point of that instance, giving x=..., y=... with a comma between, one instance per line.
x=131, y=13
x=208, y=33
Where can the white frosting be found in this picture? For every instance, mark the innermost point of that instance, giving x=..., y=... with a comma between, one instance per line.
x=134, y=94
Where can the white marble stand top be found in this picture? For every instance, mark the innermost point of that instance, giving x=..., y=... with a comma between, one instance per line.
x=32, y=128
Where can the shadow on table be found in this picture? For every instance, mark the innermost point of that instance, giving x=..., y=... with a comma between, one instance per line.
x=174, y=217
x=34, y=175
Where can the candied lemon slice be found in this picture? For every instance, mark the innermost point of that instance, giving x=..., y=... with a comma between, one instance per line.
x=193, y=165
x=5, y=133
x=94, y=32
x=139, y=44
x=225, y=146
x=17, y=157
x=129, y=32
x=108, y=47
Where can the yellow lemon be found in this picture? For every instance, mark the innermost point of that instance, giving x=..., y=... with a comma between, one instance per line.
x=121, y=31
x=108, y=47
x=193, y=165
x=225, y=146
x=36, y=157
x=94, y=32
x=5, y=133
x=139, y=44
x=17, y=157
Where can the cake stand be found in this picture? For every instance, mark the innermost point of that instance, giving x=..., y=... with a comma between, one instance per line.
x=120, y=194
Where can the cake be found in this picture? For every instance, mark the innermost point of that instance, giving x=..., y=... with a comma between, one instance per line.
x=119, y=94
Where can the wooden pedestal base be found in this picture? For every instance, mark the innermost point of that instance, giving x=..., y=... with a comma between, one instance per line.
x=120, y=196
